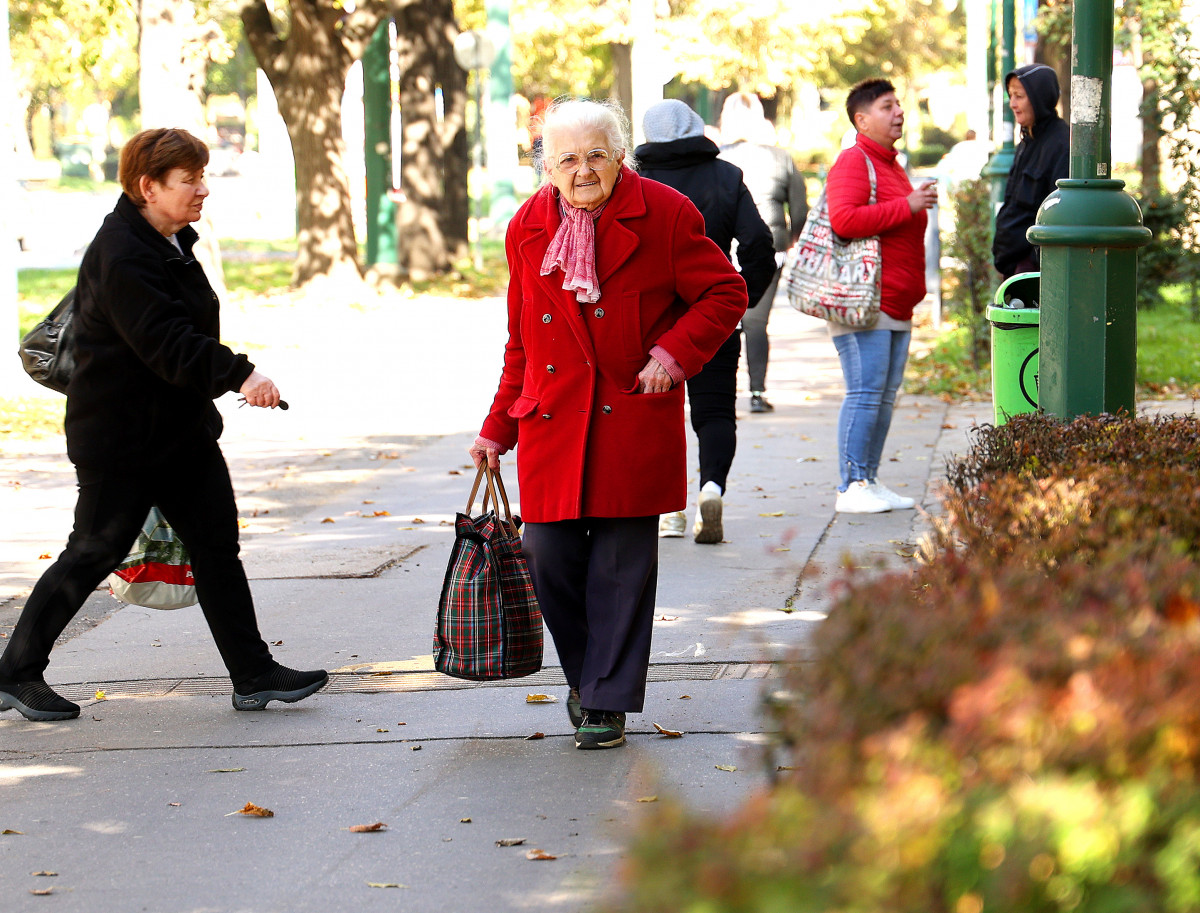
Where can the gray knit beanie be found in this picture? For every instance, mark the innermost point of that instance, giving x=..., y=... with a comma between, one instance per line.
x=671, y=120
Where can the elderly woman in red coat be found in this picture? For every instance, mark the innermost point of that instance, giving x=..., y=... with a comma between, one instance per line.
x=616, y=297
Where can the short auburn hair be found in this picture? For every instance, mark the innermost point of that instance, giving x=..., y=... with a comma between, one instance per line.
x=155, y=154
x=863, y=95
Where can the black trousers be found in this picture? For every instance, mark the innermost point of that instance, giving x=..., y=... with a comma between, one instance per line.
x=596, y=579
x=193, y=490
x=712, y=396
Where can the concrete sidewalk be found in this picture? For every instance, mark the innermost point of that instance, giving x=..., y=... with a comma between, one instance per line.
x=348, y=500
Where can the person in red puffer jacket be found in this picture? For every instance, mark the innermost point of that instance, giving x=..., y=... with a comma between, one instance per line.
x=873, y=359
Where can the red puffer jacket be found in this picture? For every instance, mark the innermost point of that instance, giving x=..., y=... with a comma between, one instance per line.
x=901, y=234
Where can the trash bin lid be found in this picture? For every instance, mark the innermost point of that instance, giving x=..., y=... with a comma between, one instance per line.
x=1014, y=317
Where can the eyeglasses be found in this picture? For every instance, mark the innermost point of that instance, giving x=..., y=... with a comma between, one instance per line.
x=570, y=162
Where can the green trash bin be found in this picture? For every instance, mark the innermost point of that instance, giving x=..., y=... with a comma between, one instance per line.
x=1015, y=321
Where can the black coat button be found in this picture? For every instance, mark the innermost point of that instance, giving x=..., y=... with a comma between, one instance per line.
x=545, y=415
x=599, y=312
x=550, y=369
x=607, y=410
x=545, y=318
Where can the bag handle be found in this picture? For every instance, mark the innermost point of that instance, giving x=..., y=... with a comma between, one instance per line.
x=494, y=484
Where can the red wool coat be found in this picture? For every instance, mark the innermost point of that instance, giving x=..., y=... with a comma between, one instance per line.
x=901, y=234
x=589, y=446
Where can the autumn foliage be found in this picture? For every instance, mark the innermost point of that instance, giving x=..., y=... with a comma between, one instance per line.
x=1013, y=725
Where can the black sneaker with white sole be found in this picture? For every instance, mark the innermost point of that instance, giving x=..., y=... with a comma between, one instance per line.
x=600, y=729
x=278, y=684
x=574, y=708
x=36, y=701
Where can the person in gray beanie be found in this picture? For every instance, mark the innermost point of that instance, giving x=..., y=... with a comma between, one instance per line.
x=678, y=154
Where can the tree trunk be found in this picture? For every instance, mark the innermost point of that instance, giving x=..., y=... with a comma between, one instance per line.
x=622, y=91
x=307, y=70
x=456, y=148
x=422, y=246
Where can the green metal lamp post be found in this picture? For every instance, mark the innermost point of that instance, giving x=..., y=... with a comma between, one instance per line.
x=382, y=250
x=1000, y=164
x=1089, y=231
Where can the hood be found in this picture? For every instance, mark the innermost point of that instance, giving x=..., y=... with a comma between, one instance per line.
x=1041, y=85
x=670, y=120
x=679, y=153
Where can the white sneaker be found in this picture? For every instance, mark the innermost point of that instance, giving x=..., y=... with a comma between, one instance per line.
x=898, y=502
x=859, y=498
x=672, y=525
x=708, y=529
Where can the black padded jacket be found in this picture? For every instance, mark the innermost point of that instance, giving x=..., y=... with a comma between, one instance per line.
x=1043, y=156
x=690, y=165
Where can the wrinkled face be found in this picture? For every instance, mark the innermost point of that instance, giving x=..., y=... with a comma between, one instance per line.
x=588, y=188
x=883, y=121
x=1018, y=101
x=174, y=202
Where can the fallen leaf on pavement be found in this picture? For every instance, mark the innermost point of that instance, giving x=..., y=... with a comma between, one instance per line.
x=381, y=513
x=329, y=520
x=538, y=855
x=367, y=828
x=510, y=841
x=416, y=520
x=668, y=618
x=648, y=799
x=774, y=513
x=385, y=884
x=685, y=697
x=416, y=747
x=41, y=892
x=669, y=733
x=101, y=696
x=368, y=502
x=385, y=672
x=540, y=699
x=227, y=770
x=174, y=804
x=464, y=820
x=253, y=811
x=535, y=736
x=46, y=874
x=10, y=831
x=43, y=557
x=726, y=767
x=243, y=524
x=786, y=767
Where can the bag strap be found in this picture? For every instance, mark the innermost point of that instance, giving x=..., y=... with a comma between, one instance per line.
x=870, y=171
x=493, y=492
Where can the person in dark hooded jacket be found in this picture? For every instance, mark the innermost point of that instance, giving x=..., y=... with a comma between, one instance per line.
x=1042, y=157
x=678, y=154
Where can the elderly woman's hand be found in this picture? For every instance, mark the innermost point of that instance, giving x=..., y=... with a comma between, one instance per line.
x=654, y=378
x=484, y=449
x=258, y=390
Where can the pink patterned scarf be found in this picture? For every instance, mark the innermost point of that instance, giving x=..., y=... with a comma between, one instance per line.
x=573, y=250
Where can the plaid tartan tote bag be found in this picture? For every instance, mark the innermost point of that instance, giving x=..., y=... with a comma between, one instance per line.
x=489, y=625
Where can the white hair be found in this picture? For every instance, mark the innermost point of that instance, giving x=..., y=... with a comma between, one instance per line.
x=585, y=114
x=743, y=120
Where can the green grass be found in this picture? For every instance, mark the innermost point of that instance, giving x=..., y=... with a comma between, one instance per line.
x=31, y=417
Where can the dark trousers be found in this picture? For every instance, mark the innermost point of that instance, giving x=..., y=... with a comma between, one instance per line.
x=193, y=491
x=712, y=396
x=596, y=579
x=758, y=344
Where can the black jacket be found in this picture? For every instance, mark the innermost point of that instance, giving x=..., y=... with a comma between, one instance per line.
x=149, y=362
x=1043, y=156
x=690, y=165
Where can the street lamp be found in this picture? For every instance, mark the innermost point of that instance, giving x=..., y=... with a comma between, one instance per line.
x=474, y=52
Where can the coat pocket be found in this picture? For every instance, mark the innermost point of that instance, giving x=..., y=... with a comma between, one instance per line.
x=524, y=406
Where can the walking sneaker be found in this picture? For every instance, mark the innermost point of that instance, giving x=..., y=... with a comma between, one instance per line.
x=600, y=729
x=708, y=529
x=278, y=684
x=574, y=708
x=36, y=701
x=860, y=499
x=759, y=404
x=898, y=502
x=672, y=525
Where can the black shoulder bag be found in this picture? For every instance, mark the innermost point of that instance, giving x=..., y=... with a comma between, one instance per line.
x=47, y=351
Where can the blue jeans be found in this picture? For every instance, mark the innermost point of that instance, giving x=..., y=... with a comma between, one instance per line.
x=873, y=366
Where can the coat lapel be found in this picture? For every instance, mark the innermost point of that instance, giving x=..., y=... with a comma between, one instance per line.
x=615, y=243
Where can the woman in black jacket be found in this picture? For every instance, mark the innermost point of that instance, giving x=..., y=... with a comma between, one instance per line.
x=1043, y=156
x=142, y=430
x=678, y=154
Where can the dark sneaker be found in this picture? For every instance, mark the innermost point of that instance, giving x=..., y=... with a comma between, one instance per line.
x=278, y=684
x=575, y=708
x=36, y=701
x=758, y=403
x=600, y=729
